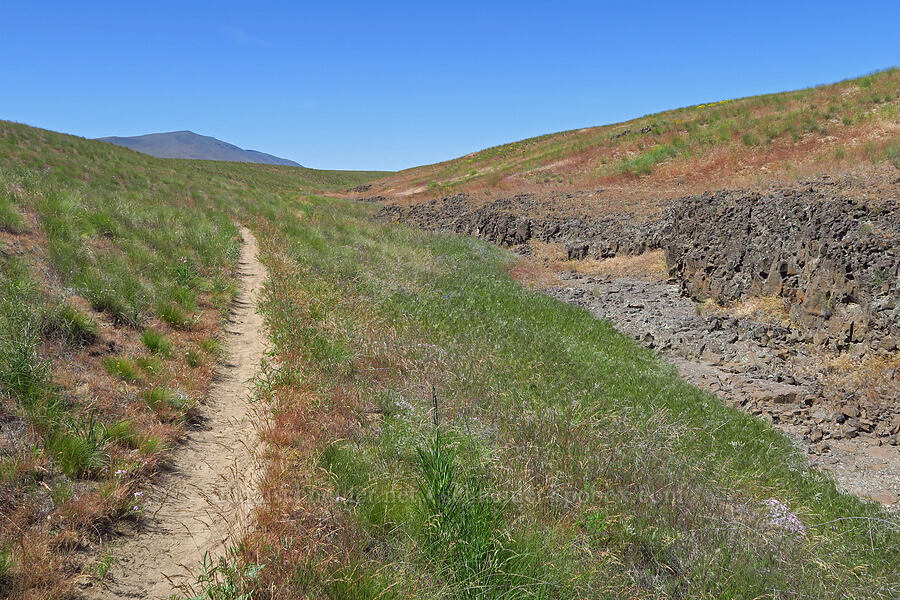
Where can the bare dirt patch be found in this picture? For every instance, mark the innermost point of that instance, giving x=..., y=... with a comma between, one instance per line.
x=200, y=506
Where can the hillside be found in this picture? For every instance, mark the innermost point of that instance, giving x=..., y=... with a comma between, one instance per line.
x=187, y=144
x=722, y=144
x=432, y=428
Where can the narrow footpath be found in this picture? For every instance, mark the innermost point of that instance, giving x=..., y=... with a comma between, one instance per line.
x=199, y=507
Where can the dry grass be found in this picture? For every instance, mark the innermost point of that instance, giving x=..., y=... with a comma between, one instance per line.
x=765, y=309
x=650, y=266
x=870, y=378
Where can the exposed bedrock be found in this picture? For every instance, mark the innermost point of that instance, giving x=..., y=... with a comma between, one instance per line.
x=834, y=260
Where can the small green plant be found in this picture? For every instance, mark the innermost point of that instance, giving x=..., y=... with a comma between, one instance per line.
x=74, y=326
x=157, y=342
x=212, y=346
x=880, y=276
x=123, y=368
x=100, y=568
x=171, y=314
x=226, y=579
x=194, y=358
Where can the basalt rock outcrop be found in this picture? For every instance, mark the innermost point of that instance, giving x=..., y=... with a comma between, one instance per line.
x=508, y=222
x=833, y=258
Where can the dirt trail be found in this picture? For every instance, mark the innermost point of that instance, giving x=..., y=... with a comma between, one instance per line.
x=203, y=502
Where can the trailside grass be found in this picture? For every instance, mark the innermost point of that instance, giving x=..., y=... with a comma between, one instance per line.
x=439, y=431
x=116, y=270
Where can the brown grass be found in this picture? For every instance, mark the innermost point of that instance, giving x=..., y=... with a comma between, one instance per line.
x=650, y=266
x=45, y=533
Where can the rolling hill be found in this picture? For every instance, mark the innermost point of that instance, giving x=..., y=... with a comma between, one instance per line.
x=187, y=144
x=720, y=144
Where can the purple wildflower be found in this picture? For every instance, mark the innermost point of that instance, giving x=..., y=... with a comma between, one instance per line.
x=781, y=516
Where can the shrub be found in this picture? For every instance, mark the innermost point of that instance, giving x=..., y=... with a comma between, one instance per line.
x=157, y=343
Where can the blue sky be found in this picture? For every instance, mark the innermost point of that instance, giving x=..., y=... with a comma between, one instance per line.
x=391, y=85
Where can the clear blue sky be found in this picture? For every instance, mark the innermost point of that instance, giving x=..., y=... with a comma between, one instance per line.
x=388, y=85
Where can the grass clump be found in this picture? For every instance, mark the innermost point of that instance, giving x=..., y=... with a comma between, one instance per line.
x=123, y=368
x=173, y=315
x=170, y=404
x=193, y=358
x=157, y=343
x=10, y=218
x=80, y=447
x=643, y=164
x=73, y=325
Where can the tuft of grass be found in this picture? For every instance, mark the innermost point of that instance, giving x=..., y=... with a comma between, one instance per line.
x=170, y=404
x=6, y=567
x=157, y=343
x=10, y=218
x=73, y=325
x=122, y=432
x=123, y=368
x=212, y=346
x=643, y=164
x=78, y=453
x=194, y=358
x=174, y=316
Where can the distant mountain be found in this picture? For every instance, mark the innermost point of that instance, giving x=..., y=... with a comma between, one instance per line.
x=187, y=144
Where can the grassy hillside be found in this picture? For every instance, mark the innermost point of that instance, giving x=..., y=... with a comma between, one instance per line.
x=562, y=460
x=719, y=144
x=115, y=270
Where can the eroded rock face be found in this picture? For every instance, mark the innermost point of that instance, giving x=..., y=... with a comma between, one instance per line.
x=835, y=262
x=506, y=222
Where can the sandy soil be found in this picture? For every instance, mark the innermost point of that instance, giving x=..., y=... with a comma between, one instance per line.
x=199, y=507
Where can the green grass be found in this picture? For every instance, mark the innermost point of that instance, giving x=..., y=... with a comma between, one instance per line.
x=123, y=368
x=568, y=462
x=565, y=461
x=157, y=343
x=73, y=325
